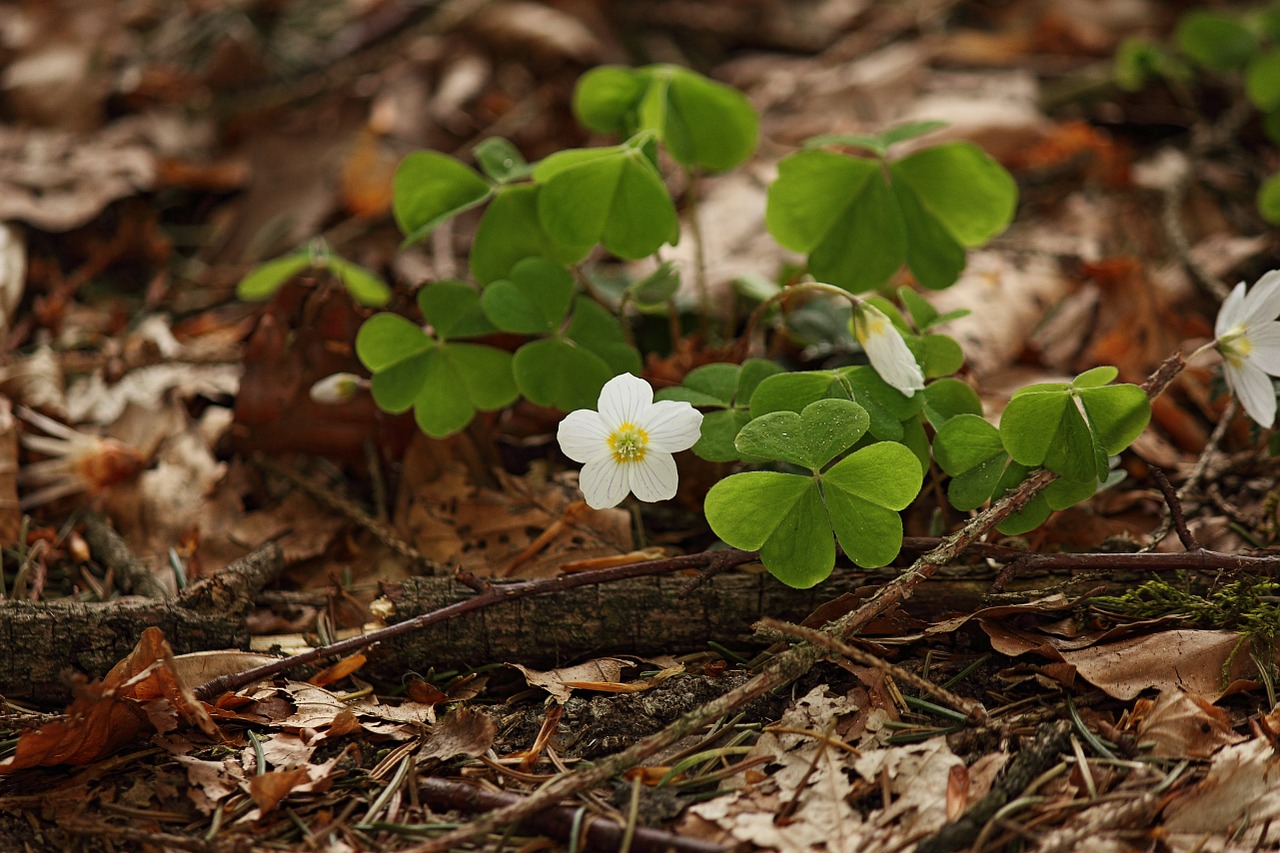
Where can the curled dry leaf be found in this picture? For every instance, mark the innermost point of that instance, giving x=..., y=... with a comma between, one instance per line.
x=141, y=692
x=463, y=731
x=1180, y=725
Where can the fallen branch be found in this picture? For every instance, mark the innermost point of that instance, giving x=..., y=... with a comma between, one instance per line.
x=91, y=637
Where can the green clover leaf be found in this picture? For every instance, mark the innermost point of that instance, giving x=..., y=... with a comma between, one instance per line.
x=511, y=231
x=947, y=398
x=727, y=390
x=1043, y=425
x=443, y=381
x=365, y=287
x=453, y=310
x=613, y=196
x=791, y=518
x=864, y=493
x=809, y=439
x=533, y=300
x=970, y=450
x=860, y=222
x=430, y=187
x=567, y=369
x=701, y=122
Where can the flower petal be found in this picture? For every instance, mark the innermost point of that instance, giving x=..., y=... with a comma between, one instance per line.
x=655, y=478
x=1254, y=390
x=1262, y=302
x=604, y=483
x=583, y=436
x=1231, y=313
x=672, y=425
x=623, y=399
x=891, y=358
x=1264, y=341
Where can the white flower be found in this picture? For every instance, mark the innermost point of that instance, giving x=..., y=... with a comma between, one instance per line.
x=1248, y=337
x=886, y=349
x=336, y=388
x=627, y=445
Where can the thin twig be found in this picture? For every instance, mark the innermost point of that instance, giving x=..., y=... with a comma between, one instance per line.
x=968, y=707
x=1197, y=472
x=1176, y=515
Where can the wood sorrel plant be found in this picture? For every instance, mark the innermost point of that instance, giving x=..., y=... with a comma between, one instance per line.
x=822, y=457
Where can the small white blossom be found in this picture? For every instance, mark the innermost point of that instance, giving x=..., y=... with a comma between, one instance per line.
x=336, y=388
x=626, y=446
x=1248, y=337
x=886, y=349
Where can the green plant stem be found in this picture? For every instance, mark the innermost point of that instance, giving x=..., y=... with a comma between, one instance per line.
x=699, y=253
x=786, y=293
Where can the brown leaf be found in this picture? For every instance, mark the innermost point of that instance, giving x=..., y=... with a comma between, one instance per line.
x=140, y=692
x=268, y=789
x=338, y=671
x=1179, y=724
x=1170, y=660
x=463, y=731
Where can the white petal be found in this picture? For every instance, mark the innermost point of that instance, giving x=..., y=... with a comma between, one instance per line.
x=604, y=483
x=893, y=360
x=1265, y=342
x=1254, y=390
x=1262, y=302
x=623, y=399
x=583, y=436
x=672, y=426
x=656, y=478
x=1231, y=313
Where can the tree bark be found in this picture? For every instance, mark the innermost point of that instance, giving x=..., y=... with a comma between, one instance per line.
x=46, y=644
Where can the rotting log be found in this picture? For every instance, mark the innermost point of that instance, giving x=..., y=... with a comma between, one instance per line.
x=47, y=643
x=642, y=616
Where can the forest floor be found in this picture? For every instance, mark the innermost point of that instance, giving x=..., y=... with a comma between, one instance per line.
x=1105, y=683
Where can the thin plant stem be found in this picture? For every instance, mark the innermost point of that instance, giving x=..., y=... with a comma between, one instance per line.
x=699, y=253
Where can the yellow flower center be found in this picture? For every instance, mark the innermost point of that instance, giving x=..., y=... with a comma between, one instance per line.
x=628, y=443
x=1235, y=346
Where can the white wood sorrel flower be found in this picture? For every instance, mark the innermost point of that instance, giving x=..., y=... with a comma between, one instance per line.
x=1248, y=336
x=886, y=349
x=626, y=446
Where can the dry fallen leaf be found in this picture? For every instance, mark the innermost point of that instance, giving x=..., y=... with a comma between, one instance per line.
x=141, y=692
x=561, y=683
x=464, y=731
x=1179, y=724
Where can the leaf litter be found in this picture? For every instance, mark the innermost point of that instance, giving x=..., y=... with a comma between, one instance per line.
x=157, y=424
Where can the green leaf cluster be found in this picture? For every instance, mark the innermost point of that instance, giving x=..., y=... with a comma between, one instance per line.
x=577, y=347
x=444, y=380
x=1068, y=428
x=724, y=389
x=791, y=518
x=859, y=219
x=704, y=124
